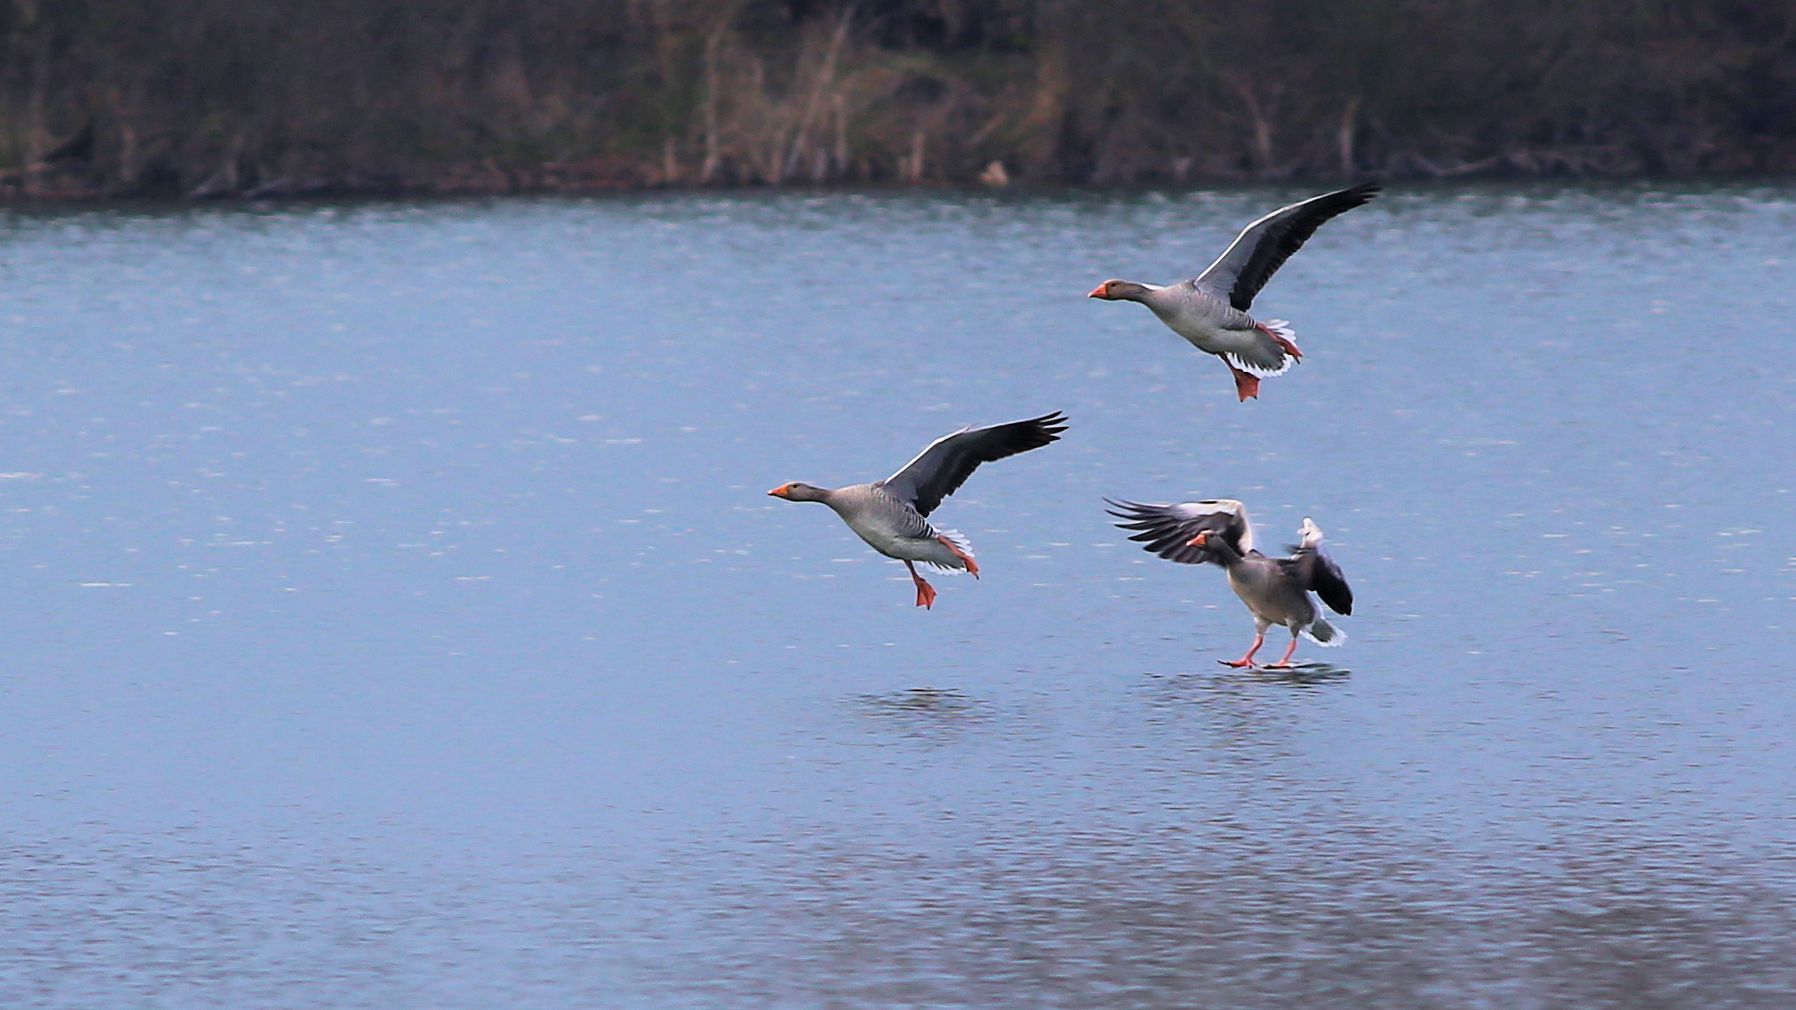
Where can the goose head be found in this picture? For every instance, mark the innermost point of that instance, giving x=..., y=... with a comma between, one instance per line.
x=800, y=491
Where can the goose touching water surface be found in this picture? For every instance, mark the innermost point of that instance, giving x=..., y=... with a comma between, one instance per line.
x=1276, y=590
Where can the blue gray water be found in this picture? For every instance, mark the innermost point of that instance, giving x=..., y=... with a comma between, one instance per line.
x=395, y=616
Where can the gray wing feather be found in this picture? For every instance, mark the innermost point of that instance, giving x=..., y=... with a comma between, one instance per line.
x=1262, y=247
x=948, y=461
x=1166, y=530
x=906, y=521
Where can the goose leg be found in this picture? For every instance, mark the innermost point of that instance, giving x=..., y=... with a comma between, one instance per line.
x=1247, y=660
x=1282, y=341
x=925, y=591
x=965, y=558
x=1284, y=661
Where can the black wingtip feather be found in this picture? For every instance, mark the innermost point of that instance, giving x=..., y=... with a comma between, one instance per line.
x=1158, y=534
x=1051, y=425
x=1125, y=505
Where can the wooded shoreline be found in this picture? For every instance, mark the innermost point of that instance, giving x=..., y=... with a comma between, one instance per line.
x=109, y=98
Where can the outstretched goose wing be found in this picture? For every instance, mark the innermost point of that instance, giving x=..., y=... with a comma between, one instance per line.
x=1316, y=572
x=1167, y=530
x=1262, y=247
x=948, y=461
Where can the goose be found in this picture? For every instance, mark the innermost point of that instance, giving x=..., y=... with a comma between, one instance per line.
x=1276, y=590
x=892, y=515
x=1210, y=310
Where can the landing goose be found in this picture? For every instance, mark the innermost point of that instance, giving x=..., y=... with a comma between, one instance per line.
x=891, y=515
x=1210, y=310
x=1276, y=590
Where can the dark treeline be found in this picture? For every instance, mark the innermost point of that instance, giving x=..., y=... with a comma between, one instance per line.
x=217, y=97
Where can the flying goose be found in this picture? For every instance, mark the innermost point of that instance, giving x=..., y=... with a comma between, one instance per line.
x=891, y=515
x=1276, y=590
x=1210, y=310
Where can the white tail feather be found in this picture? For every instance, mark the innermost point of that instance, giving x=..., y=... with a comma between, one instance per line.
x=1286, y=360
x=1325, y=634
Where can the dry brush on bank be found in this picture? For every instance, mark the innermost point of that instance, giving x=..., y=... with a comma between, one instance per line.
x=282, y=97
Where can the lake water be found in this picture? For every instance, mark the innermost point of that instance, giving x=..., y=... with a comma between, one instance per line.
x=395, y=615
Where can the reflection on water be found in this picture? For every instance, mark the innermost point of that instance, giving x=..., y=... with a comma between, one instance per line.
x=921, y=709
x=396, y=616
x=1339, y=918
x=1301, y=674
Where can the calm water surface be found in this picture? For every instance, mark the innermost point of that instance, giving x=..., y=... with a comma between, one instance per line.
x=396, y=618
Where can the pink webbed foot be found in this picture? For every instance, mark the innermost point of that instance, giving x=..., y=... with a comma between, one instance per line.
x=925, y=591
x=1246, y=660
x=965, y=558
x=1282, y=341
x=1247, y=387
